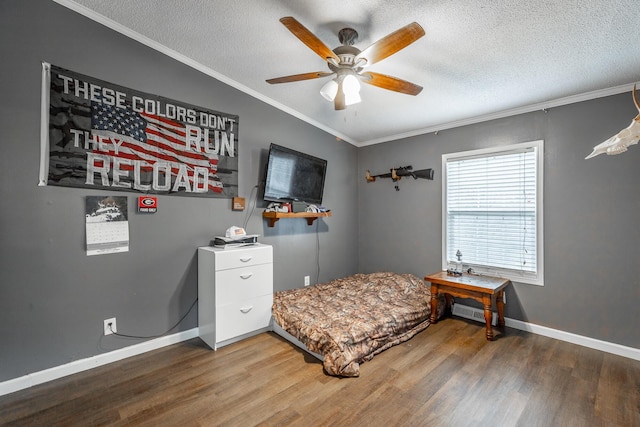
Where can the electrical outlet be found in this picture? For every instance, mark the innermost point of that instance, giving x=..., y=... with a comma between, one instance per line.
x=110, y=322
x=307, y=281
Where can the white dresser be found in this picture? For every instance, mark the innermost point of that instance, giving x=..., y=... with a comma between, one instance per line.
x=235, y=293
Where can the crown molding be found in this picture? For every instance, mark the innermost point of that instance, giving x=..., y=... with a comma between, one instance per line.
x=83, y=10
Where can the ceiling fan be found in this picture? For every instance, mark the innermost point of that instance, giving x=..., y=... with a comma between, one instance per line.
x=346, y=62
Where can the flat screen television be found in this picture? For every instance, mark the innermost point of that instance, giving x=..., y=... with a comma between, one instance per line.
x=294, y=176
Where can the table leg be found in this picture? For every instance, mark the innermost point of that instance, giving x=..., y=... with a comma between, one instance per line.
x=500, y=305
x=434, y=303
x=486, y=301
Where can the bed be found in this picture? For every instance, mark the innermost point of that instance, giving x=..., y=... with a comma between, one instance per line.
x=347, y=321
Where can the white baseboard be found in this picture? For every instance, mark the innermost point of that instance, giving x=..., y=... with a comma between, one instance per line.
x=74, y=367
x=608, y=347
x=56, y=372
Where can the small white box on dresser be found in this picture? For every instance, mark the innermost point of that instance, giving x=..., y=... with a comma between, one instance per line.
x=235, y=292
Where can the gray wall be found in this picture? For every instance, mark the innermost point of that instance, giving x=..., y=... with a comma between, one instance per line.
x=53, y=298
x=591, y=209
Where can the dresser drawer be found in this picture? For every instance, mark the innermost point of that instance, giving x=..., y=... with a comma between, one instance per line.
x=242, y=317
x=238, y=284
x=242, y=257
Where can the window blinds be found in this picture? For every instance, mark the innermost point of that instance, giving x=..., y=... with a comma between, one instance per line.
x=491, y=210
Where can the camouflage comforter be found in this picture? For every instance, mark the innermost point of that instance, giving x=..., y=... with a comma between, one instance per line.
x=348, y=321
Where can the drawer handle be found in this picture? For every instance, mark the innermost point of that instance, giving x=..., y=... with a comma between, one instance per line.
x=246, y=259
x=246, y=309
x=246, y=275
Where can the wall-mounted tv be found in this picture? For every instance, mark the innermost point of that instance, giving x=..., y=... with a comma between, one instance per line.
x=294, y=176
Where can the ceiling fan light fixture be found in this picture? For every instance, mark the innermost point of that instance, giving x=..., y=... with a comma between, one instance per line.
x=351, y=87
x=350, y=84
x=329, y=90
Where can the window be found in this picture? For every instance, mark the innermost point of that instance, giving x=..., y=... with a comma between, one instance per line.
x=492, y=211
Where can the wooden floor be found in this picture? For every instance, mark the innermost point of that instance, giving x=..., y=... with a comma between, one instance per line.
x=448, y=375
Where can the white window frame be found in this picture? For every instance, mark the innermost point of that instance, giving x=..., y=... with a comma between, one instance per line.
x=536, y=278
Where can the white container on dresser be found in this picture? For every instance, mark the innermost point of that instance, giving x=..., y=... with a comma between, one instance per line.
x=235, y=292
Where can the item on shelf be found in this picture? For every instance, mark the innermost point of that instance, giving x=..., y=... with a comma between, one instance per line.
x=235, y=232
x=234, y=236
x=278, y=207
x=455, y=268
x=298, y=207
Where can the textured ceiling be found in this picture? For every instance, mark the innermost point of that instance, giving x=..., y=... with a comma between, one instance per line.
x=479, y=59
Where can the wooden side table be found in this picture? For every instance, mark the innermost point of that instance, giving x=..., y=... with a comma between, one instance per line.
x=479, y=288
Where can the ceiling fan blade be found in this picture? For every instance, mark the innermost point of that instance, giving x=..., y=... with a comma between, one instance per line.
x=390, y=83
x=299, y=77
x=308, y=38
x=391, y=44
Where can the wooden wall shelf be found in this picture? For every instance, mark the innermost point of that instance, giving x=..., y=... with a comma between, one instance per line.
x=273, y=217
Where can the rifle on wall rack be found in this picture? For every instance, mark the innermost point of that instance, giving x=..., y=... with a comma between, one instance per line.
x=396, y=174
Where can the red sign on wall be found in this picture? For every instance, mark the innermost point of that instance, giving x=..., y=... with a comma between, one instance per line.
x=147, y=204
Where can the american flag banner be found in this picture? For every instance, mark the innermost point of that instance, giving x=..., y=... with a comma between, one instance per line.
x=106, y=136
